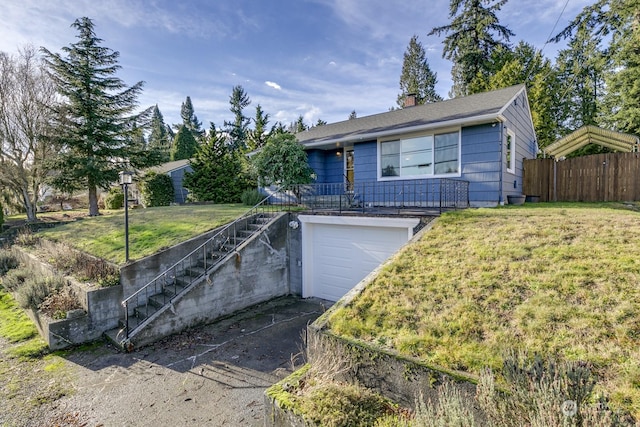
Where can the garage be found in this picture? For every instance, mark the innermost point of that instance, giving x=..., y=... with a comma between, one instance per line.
x=338, y=251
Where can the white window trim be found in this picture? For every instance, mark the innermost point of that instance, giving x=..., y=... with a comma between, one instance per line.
x=511, y=166
x=416, y=135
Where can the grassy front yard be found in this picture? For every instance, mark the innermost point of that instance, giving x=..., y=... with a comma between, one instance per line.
x=150, y=229
x=556, y=280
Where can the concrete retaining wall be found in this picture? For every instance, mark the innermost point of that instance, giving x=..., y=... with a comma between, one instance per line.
x=102, y=309
x=136, y=274
x=258, y=271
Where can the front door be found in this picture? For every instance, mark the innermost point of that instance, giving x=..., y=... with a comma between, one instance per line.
x=349, y=169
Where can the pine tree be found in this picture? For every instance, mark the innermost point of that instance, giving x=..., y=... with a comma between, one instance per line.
x=184, y=145
x=353, y=115
x=470, y=40
x=238, y=129
x=581, y=72
x=525, y=64
x=159, y=139
x=217, y=171
x=417, y=77
x=616, y=22
x=190, y=120
x=298, y=126
x=257, y=137
x=622, y=102
x=95, y=121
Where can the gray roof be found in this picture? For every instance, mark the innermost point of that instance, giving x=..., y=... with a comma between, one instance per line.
x=465, y=110
x=169, y=166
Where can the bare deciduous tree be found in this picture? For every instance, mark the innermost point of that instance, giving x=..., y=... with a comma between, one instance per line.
x=26, y=94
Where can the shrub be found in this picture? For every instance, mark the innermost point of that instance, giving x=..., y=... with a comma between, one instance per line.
x=1, y=216
x=251, y=197
x=534, y=393
x=35, y=290
x=8, y=261
x=156, y=190
x=26, y=237
x=57, y=304
x=15, y=278
x=84, y=267
x=114, y=198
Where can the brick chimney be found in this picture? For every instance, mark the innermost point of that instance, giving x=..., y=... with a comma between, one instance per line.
x=410, y=100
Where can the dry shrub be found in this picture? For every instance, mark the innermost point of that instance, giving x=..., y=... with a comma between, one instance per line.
x=26, y=237
x=57, y=304
x=536, y=393
x=34, y=290
x=84, y=267
x=8, y=261
x=15, y=278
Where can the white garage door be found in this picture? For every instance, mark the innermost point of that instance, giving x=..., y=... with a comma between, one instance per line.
x=338, y=252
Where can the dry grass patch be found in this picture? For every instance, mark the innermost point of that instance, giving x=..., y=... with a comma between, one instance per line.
x=561, y=281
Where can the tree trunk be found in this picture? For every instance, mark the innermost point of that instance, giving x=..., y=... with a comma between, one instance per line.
x=30, y=207
x=93, y=201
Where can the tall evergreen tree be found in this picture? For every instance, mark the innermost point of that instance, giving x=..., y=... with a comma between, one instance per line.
x=238, y=128
x=184, y=145
x=471, y=37
x=95, y=122
x=159, y=138
x=353, y=115
x=417, y=77
x=526, y=64
x=298, y=126
x=581, y=69
x=616, y=22
x=217, y=171
x=257, y=136
x=622, y=101
x=190, y=120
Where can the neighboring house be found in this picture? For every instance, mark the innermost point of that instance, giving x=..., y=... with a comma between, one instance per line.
x=481, y=139
x=176, y=171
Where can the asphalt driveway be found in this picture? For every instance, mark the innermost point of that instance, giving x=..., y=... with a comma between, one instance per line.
x=213, y=375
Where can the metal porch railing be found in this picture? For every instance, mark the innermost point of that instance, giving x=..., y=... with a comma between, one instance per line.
x=369, y=196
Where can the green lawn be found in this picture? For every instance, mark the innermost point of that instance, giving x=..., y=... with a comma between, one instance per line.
x=558, y=280
x=150, y=229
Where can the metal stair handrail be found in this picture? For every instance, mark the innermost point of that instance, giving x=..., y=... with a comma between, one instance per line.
x=226, y=240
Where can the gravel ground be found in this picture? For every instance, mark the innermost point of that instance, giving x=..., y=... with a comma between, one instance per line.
x=213, y=375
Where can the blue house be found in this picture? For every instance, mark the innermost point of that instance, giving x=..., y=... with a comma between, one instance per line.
x=480, y=139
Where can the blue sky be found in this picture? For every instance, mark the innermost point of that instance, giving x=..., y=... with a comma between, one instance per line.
x=316, y=58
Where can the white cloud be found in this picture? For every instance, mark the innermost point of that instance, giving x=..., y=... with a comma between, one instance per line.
x=274, y=85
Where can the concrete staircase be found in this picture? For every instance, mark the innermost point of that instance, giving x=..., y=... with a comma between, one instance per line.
x=160, y=294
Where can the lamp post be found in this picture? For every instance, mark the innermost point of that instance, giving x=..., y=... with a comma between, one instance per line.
x=126, y=178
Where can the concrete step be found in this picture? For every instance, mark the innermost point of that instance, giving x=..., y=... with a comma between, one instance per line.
x=196, y=271
x=143, y=312
x=173, y=290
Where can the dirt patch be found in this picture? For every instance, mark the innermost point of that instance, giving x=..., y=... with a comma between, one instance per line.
x=213, y=375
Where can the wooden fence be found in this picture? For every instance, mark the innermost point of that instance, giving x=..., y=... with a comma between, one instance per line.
x=596, y=178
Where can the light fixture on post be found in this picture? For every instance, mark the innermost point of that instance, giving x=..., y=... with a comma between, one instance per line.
x=126, y=178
